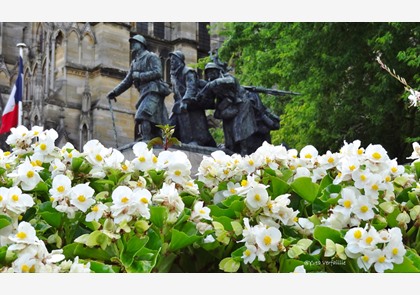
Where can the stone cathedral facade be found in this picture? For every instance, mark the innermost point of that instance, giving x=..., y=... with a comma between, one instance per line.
x=70, y=67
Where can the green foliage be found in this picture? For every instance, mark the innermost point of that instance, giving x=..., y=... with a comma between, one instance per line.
x=345, y=94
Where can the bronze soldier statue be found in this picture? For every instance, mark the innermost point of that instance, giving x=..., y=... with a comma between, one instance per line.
x=146, y=74
x=237, y=115
x=188, y=114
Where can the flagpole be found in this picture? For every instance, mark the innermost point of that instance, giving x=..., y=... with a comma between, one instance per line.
x=21, y=46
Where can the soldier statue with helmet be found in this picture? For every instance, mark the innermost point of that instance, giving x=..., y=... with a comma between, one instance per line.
x=145, y=74
x=188, y=114
x=237, y=115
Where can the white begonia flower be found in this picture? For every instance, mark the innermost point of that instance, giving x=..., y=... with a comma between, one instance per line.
x=365, y=260
x=209, y=239
x=18, y=202
x=268, y=239
x=81, y=196
x=77, y=267
x=394, y=168
x=25, y=234
x=178, y=172
x=144, y=199
x=380, y=261
x=232, y=189
x=299, y=269
x=394, y=235
x=249, y=254
x=27, y=175
x=403, y=219
x=415, y=155
x=361, y=178
x=363, y=208
x=200, y=212
x=57, y=167
x=248, y=233
x=375, y=153
x=122, y=204
x=247, y=184
x=304, y=226
x=257, y=197
x=413, y=98
x=61, y=188
x=25, y=264
x=189, y=186
x=328, y=160
x=347, y=201
x=309, y=154
x=20, y=139
x=45, y=145
x=395, y=252
x=145, y=159
x=302, y=172
x=369, y=239
x=4, y=192
x=168, y=196
x=250, y=163
x=352, y=149
x=68, y=152
x=113, y=159
x=97, y=211
x=353, y=238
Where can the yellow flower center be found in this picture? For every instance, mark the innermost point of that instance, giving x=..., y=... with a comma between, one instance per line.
x=60, y=189
x=144, y=200
x=98, y=158
x=247, y=252
x=81, y=198
x=201, y=211
x=6, y=154
x=251, y=162
x=177, y=173
x=142, y=159
x=375, y=187
x=369, y=240
x=244, y=183
x=347, y=204
x=30, y=174
x=15, y=198
x=308, y=156
x=124, y=200
x=21, y=235
x=394, y=251
x=43, y=146
x=381, y=259
x=95, y=208
x=360, y=152
x=363, y=177
x=357, y=234
x=376, y=156
x=225, y=171
x=25, y=268
x=257, y=197
x=154, y=159
x=267, y=240
x=364, y=208
x=232, y=191
x=124, y=167
x=1, y=198
x=365, y=258
x=394, y=169
x=330, y=160
x=352, y=167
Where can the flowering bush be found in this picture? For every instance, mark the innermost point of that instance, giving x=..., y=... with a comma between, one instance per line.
x=276, y=210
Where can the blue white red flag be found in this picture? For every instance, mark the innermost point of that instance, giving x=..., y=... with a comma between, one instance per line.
x=11, y=111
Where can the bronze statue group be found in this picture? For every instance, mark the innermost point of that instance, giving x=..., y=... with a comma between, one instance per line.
x=246, y=121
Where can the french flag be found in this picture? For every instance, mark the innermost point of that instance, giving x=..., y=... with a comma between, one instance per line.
x=11, y=113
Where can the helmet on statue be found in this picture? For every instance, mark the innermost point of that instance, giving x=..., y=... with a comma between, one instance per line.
x=212, y=65
x=138, y=38
x=178, y=54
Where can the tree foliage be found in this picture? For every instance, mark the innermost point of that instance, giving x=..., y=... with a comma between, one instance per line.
x=345, y=95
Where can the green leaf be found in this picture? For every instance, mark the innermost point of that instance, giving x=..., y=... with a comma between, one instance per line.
x=133, y=246
x=75, y=163
x=99, y=267
x=145, y=261
x=181, y=240
x=217, y=211
x=322, y=233
x=157, y=176
x=84, y=252
x=417, y=169
x=50, y=214
x=278, y=186
x=229, y=265
x=158, y=215
x=5, y=221
x=305, y=188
